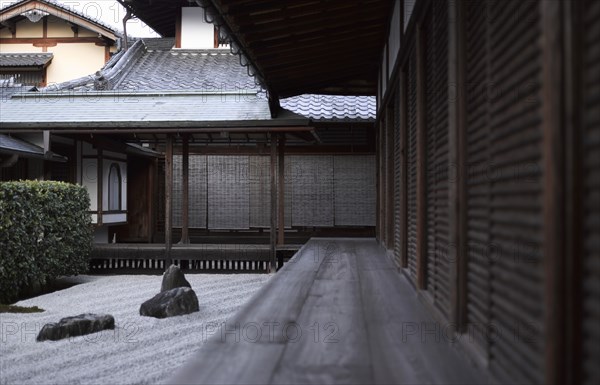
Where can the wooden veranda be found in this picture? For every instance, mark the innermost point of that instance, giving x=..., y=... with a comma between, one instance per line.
x=332, y=315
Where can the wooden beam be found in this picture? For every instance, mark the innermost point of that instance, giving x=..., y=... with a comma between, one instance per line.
x=281, y=191
x=168, y=200
x=553, y=118
x=185, y=172
x=273, y=230
x=274, y=105
x=421, y=161
x=178, y=29
x=51, y=41
x=64, y=14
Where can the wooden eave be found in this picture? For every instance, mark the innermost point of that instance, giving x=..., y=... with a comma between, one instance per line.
x=300, y=46
x=18, y=9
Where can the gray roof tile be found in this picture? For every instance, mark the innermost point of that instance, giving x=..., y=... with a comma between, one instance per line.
x=7, y=90
x=137, y=110
x=25, y=59
x=332, y=107
x=11, y=145
x=159, y=67
x=200, y=70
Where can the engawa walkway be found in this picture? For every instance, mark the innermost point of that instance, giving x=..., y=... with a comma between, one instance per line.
x=338, y=312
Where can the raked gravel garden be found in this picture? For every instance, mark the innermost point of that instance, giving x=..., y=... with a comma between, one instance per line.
x=140, y=350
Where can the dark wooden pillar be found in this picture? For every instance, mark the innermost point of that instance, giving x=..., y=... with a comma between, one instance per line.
x=554, y=117
x=389, y=161
x=273, y=240
x=168, y=200
x=185, y=190
x=421, y=161
x=100, y=185
x=403, y=168
x=281, y=191
x=457, y=245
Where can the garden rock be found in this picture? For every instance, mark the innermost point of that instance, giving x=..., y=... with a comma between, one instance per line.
x=173, y=278
x=174, y=302
x=76, y=326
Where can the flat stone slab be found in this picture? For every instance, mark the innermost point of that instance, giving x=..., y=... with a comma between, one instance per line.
x=171, y=303
x=76, y=326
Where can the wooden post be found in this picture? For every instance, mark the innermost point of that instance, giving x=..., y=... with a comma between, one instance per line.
x=281, y=197
x=168, y=200
x=382, y=180
x=273, y=235
x=378, y=184
x=403, y=168
x=554, y=261
x=421, y=161
x=389, y=153
x=100, y=186
x=185, y=172
x=457, y=171
x=574, y=29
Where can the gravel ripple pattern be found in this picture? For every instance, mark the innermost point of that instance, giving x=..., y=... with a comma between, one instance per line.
x=141, y=350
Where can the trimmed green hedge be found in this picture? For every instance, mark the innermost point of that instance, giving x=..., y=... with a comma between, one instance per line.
x=45, y=232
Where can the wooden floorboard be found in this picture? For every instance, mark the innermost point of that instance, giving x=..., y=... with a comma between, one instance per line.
x=338, y=313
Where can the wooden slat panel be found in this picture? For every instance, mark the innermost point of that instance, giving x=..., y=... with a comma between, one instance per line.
x=228, y=192
x=197, y=191
x=354, y=190
x=312, y=190
x=260, y=192
x=477, y=183
x=516, y=355
x=591, y=196
x=411, y=161
x=436, y=67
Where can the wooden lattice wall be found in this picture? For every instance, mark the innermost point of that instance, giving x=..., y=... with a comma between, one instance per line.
x=495, y=177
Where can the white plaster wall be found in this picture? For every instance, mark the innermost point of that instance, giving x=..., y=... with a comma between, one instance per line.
x=13, y=48
x=74, y=60
x=195, y=32
x=59, y=28
x=89, y=180
x=25, y=28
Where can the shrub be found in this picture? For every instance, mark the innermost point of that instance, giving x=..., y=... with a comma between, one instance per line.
x=45, y=232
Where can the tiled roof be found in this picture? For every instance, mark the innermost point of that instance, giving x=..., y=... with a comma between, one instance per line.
x=199, y=70
x=64, y=7
x=153, y=65
x=25, y=59
x=8, y=89
x=122, y=109
x=159, y=44
x=332, y=107
x=11, y=145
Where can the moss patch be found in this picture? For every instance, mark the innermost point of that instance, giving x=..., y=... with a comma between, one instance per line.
x=19, y=309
